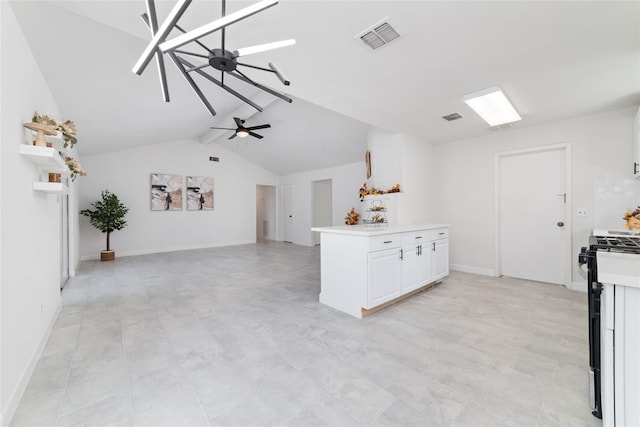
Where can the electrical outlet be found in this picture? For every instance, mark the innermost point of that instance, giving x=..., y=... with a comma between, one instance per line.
x=582, y=212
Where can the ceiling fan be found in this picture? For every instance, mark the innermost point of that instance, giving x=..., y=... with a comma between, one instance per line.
x=219, y=59
x=242, y=131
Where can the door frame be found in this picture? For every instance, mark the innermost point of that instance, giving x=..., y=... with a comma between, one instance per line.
x=566, y=148
x=284, y=188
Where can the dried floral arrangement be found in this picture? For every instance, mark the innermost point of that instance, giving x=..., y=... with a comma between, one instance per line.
x=75, y=167
x=352, y=217
x=68, y=128
x=633, y=220
x=365, y=191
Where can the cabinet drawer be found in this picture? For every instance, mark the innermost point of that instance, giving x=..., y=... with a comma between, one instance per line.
x=439, y=233
x=415, y=237
x=387, y=241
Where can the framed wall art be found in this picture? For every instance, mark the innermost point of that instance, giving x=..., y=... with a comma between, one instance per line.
x=199, y=193
x=166, y=192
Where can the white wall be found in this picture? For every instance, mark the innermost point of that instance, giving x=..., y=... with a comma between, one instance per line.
x=463, y=177
x=127, y=174
x=29, y=221
x=346, y=180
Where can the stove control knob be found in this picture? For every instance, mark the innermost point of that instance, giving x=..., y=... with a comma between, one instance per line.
x=560, y=224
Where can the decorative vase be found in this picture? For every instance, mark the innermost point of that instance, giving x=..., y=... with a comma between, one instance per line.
x=107, y=255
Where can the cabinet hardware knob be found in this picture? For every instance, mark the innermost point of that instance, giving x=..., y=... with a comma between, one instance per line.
x=418, y=237
x=388, y=241
x=442, y=233
x=560, y=224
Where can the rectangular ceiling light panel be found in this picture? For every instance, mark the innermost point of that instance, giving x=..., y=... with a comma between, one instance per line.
x=493, y=106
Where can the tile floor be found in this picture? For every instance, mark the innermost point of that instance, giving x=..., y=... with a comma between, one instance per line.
x=236, y=336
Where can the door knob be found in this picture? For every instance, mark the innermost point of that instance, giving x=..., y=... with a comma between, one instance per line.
x=560, y=224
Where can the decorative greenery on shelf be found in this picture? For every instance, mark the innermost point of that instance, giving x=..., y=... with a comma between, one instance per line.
x=365, y=191
x=108, y=215
x=75, y=167
x=68, y=128
x=633, y=220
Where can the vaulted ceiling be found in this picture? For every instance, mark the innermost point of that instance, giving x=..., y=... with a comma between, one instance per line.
x=554, y=60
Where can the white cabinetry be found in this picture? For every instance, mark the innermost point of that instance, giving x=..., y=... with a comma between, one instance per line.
x=385, y=276
x=636, y=145
x=364, y=270
x=416, y=260
x=440, y=255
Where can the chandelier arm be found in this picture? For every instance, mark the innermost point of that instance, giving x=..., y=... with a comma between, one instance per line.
x=177, y=60
x=224, y=12
x=197, y=68
x=245, y=76
x=216, y=25
x=161, y=34
x=151, y=20
x=264, y=88
x=218, y=83
x=184, y=52
x=255, y=67
x=198, y=42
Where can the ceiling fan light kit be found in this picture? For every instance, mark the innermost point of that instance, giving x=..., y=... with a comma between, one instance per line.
x=242, y=131
x=220, y=59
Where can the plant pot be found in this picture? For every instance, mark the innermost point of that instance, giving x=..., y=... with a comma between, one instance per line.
x=107, y=255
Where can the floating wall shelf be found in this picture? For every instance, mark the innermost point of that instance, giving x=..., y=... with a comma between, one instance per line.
x=50, y=187
x=48, y=161
x=47, y=158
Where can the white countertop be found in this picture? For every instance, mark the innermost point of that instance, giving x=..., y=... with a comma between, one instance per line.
x=370, y=230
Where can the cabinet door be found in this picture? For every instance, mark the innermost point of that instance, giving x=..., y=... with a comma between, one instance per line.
x=424, y=265
x=440, y=259
x=416, y=267
x=385, y=276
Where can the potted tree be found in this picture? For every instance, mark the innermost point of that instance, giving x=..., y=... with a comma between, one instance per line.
x=108, y=216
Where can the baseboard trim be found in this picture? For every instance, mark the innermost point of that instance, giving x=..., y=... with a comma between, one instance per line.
x=579, y=286
x=472, y=270
x=18, y=392
x=163, y=250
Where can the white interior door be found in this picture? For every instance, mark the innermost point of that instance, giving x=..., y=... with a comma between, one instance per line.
x=321, y=206
x=287, y=213
x=532, y=215
x=64, y=239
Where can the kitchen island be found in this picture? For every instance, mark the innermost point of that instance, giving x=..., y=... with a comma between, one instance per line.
x=366, y=268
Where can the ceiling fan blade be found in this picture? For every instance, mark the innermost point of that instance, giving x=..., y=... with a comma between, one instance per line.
x=263, y=47
x=239, y=122
x=222, y=128
x=259, y=127
x=256, y=135
x=232, y=136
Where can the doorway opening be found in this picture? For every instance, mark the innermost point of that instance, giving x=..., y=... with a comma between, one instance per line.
x=322, y=206
x=533, y=214
x=266, y=212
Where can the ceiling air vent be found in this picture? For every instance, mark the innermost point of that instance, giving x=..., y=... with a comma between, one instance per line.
x=501, y=127
x=378, y=35
x=451, y=117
